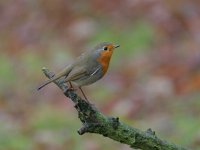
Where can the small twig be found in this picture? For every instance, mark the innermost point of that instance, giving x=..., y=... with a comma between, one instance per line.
x=83, y=129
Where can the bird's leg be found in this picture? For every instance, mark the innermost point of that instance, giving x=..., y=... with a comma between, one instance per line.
x=84, y=94
x=71, y=87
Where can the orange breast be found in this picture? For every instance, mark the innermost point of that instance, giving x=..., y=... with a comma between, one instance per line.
x=104, y=60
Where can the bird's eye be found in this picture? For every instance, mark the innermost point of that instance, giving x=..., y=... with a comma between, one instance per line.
x=105, y=48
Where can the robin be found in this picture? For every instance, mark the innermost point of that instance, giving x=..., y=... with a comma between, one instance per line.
x=88, y=68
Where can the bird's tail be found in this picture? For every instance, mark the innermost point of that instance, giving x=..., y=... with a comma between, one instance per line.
x=44, y=84
x=48, y=81
x=65, y=72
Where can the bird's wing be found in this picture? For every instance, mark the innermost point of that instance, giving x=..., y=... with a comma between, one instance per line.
x=80, y=73
x=95, y=71
x=76, y=74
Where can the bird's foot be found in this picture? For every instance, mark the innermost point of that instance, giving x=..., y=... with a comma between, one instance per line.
x=72, y=89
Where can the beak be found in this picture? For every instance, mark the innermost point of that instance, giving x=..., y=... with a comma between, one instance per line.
x=116, y=46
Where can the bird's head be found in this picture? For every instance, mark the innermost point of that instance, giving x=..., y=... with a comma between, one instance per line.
x=104, y=51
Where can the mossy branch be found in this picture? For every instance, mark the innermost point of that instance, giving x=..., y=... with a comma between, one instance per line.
x=95, y=122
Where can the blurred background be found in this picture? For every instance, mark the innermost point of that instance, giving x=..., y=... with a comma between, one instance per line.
x=153, y=80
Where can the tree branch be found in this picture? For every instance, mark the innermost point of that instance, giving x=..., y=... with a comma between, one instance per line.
x=95, y=122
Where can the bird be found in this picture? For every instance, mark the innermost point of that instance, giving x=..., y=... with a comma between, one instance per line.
x=88, y=68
